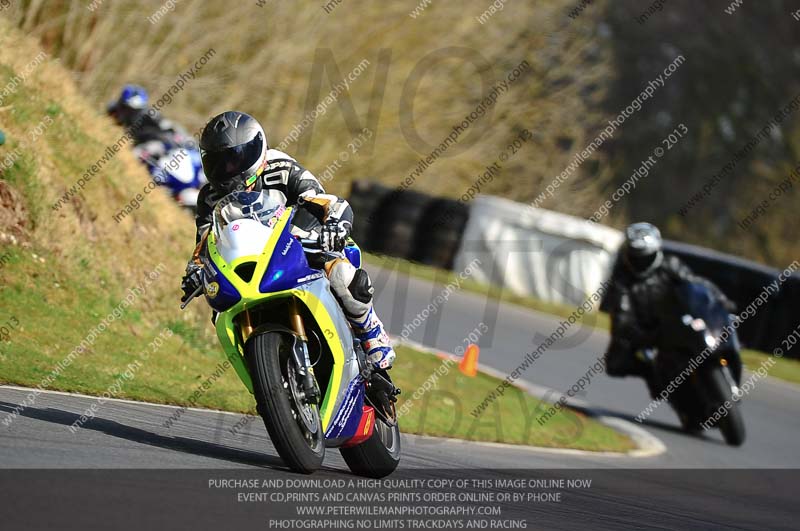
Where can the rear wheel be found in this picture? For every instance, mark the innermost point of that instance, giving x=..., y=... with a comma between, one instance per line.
x=293, y=425
x=732, y=424
x=379, y=455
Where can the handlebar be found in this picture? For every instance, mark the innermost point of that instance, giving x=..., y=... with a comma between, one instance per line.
x=314, y=247
x=309, y=242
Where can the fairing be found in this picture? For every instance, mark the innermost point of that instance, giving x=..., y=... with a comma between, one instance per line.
x=282, y=271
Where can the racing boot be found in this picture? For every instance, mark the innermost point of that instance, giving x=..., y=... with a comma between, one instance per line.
x=381, y=392
x=374, y=340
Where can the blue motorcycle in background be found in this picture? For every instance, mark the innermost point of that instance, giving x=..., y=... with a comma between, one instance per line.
x=698, y=360
x=178, y=168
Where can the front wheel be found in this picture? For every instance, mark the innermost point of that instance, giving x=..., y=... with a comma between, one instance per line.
x=732, y=424
x=379, y=455
x=293, y=425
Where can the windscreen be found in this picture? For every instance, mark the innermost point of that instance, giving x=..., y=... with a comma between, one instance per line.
x=259, y=206
x=702, y=303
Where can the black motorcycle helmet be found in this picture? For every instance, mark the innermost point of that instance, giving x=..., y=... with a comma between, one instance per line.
x=233, y=148
x=642, y=251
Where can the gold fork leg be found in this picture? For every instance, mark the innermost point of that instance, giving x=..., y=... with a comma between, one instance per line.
x=246, y=325
x=296, y=320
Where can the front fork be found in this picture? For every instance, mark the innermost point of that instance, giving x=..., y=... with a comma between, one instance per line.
x=300, y=353
x=726, y=372
x=299, y=348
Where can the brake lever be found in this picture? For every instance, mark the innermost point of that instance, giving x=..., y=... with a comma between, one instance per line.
x=196, y=293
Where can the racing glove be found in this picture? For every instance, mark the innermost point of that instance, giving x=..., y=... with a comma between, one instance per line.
x=334, y=234
x=192, y=280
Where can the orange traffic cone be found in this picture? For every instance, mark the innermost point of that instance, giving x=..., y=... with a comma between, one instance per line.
x=469, y=362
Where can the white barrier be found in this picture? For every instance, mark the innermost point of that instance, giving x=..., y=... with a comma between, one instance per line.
x=536, y=252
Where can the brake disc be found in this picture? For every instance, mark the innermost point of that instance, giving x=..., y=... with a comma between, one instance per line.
x=307, y=412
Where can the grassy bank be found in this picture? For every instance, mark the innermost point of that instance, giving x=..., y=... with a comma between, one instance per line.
x=784, y=368
x=67, y=267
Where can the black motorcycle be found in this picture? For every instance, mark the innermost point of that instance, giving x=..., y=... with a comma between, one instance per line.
x=698, y=353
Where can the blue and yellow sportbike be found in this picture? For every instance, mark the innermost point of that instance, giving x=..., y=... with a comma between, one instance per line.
x=290, y=343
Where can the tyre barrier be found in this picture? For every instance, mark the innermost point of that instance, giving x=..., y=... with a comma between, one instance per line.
x=365, y=199
x=397, y=229
x=413, y=226
x=407, y=224
x=440, y=236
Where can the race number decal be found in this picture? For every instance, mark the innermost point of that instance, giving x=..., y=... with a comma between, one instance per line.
x=276, y=177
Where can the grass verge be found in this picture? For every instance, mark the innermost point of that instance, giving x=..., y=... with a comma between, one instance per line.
x=784, y=368
x=444, y=410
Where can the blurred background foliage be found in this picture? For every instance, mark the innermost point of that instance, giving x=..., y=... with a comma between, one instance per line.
x=740, y=69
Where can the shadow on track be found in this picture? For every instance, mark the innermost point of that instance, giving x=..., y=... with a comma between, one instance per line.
x=138, y=435
x=653, y=424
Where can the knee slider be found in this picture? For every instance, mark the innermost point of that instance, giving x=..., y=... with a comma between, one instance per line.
x=361, y=287
x=615, y=361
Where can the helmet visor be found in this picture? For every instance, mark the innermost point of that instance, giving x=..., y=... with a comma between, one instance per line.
x=641, y=262
x=237, y=166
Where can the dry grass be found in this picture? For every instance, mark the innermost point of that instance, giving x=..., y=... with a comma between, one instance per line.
x=71, y=145
x=266, y=60
x=270, y=63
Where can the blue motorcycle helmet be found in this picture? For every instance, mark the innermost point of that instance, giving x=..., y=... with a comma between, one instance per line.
x=131, y=102
x=134, y=96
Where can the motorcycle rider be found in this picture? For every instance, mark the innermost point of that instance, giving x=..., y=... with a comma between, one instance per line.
x=641, y=277
x=236, y=157
x=145, y=125
x=163, y=146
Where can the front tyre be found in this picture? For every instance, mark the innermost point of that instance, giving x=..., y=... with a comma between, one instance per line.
x=731, y=425
x=293, y=426
x=378, y=456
